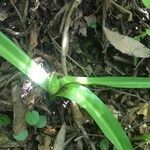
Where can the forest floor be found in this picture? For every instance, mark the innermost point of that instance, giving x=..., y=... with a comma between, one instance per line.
x=38, y=27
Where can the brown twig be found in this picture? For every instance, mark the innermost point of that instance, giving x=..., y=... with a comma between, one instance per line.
x=66, y=23
x=123, y=10
x=58, y=47
x=18, y=13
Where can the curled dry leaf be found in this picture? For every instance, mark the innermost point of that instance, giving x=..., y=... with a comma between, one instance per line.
x=127, y=44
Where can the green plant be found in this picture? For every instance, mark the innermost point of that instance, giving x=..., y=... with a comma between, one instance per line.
x=21, y=136
x=4, y=120
x=34, y=119
x=104, y=144
x=142, y=35
x=72, y=88
x=41, y=122
x=146, y=3
x=145, y=137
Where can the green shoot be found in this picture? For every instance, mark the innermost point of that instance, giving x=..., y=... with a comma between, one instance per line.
x=4, y=120
x=142, y=35
x=42, y=122
x=21, y=136
x=32, y=117
x=99, y=112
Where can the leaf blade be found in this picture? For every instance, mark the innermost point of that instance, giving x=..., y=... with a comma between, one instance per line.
x=146, y=3
x=100, y=113
x=117, y=82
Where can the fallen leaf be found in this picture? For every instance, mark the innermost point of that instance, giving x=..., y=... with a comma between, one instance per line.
x=46, y=144
x=60, y=138
x=144, y=109
x=33, y=41
x=83, y=31
x=144, y=129
x=19, y=112
x=77, y=116
x=91, y=21
x=3, y=15
x=49, y=131
x=127, y=44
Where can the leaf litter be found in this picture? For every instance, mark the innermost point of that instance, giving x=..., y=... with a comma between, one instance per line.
x=42, y=21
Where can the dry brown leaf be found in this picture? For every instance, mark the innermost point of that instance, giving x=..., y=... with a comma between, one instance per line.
x=77, y=116
x=131, y=115
x=144, y=109
x=34, y=37
x=60, y=139
x=49, y=131
x=127, y=44
x=19, y=109
x=46, y=145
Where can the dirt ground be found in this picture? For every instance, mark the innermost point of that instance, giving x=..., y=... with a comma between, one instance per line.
x=38, y=27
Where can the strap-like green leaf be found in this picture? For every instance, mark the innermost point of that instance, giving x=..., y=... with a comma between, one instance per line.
x=117, y=82
x=16, y=56
x=99, y=112
x=146, y=3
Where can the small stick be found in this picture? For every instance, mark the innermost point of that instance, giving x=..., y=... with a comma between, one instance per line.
x=66, y=23
x=60, y=50
x=18, y=13
x=123, y=10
